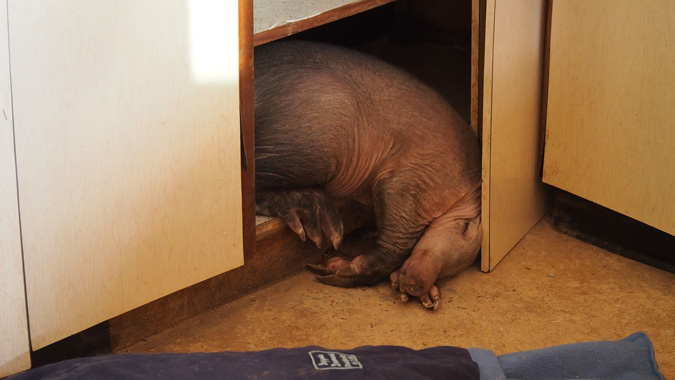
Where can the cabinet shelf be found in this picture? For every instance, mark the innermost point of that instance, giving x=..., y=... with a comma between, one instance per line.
x=273, y=19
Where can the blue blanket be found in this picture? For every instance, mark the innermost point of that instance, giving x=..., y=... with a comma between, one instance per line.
x=630, y=358
x=368, y=362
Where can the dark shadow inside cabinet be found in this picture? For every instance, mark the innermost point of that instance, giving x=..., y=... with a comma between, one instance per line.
x=431, y=39
x=428, y=38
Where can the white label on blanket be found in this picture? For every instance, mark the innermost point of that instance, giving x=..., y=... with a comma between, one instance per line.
x=334, y=360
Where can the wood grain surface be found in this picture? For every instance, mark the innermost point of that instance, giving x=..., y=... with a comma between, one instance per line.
x=610, y=133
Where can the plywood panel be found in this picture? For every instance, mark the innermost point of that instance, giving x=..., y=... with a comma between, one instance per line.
x=514, y=198
x=610, y=116
x=127, y=141
x=14, y=346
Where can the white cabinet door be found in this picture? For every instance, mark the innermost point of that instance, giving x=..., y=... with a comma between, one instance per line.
x=126, y=117
x=14, y=347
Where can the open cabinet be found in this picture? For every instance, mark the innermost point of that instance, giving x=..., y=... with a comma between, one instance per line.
x=499, y=71
x=513, y=196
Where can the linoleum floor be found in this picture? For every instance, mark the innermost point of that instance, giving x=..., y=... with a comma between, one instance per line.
x=550, y=290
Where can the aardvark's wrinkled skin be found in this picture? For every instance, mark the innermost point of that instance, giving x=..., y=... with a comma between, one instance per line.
x=334, y=123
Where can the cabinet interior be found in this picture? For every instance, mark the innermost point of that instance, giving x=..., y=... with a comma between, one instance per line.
x=429, y=38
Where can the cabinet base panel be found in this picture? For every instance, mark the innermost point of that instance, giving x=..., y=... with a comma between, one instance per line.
x=90, y=342
x=612, y=231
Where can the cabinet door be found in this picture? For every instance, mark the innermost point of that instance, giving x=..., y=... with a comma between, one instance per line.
x=610, y=127
x=126, y=115
x=14, y=347
x=514, y=199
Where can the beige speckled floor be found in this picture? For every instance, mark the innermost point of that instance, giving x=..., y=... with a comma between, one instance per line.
x=551, y=289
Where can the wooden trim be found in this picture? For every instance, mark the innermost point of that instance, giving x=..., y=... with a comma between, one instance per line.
x=268, y=228
x=544, y=90
x=487, y=50
x=247, y=117
x=298, y=26
x=476, y=64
